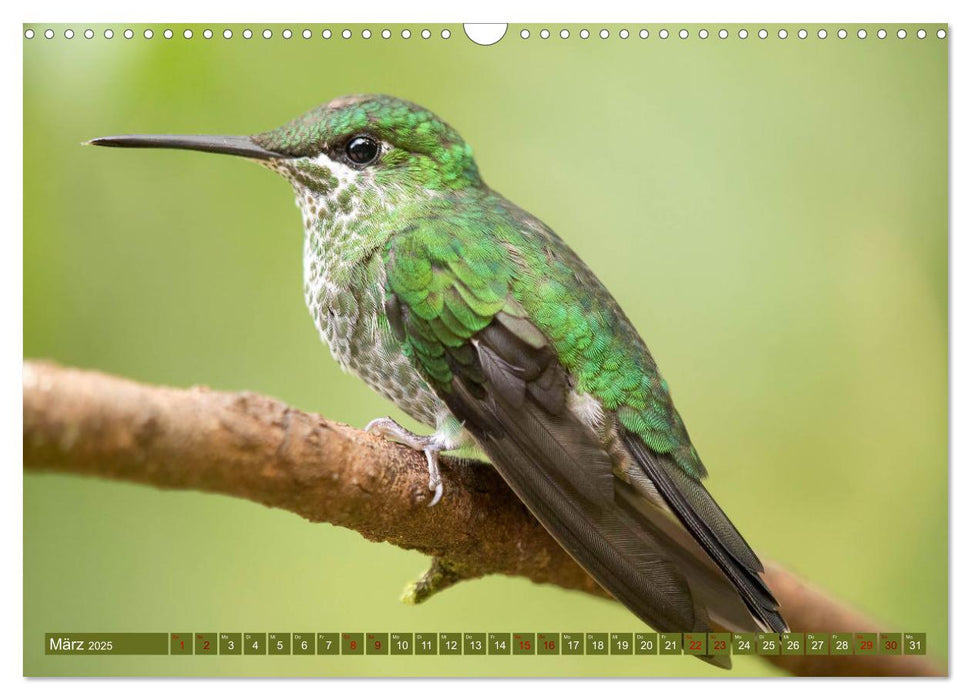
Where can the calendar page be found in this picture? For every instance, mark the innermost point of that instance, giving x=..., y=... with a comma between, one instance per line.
x=589, y=350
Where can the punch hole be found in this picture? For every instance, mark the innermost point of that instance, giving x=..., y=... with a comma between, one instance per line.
x=227, y=34
x=287, y=34
x=49, y=34
x=168, y=34
x=68, y=33
x=821, y=34
x=861, y=33
x=426, y=34
x=247, y=33
x=881, y=33
x=267, y=34
x=187, y=34
x=624, y=34
x=703, y=33
x=783, y=33
x=544, y=34
x=29, y=34
x=584, y=34
x=446, y=33
x=941, y=33
x=385, y=33
x=901, y=33
x=148, y=34
x=129, y=34
x=841, y=33
x=326, y=34
x=802, y=34
x=604, y=33
x=763, y=34
x=564, y=33
x=683, y=34
x=89, y=34
x=743, y=33
x=644, y=34
x=663, y=33
x=109, y=33
x=485, y=34
x=366, y=34
x=405, y=33
x=722, y=33
x=921, y=34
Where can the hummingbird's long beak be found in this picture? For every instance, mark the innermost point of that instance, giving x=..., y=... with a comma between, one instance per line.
x=230, y=145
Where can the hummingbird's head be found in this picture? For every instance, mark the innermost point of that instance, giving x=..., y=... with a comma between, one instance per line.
x=374, y=141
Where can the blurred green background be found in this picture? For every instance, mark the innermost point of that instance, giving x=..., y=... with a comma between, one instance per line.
x=771, y=214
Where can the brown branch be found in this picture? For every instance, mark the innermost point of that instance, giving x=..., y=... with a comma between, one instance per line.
x=254, y=447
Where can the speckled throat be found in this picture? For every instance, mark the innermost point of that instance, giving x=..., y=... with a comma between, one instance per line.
x=348, y=218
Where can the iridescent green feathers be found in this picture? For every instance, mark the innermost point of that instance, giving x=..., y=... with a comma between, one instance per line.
x=426, y=151
x=466, y=260
x=452, y=287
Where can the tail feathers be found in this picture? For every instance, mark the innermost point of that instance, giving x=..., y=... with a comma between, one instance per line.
x=701, y=516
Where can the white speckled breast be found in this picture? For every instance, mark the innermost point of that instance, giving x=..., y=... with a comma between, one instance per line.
x=344, y=278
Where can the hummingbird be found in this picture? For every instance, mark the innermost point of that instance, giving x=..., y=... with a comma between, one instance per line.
x=478, y=321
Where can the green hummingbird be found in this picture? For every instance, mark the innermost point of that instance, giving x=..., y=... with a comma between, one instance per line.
x=476, y=319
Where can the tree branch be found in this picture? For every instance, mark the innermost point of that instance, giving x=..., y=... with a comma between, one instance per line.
x=257, y=448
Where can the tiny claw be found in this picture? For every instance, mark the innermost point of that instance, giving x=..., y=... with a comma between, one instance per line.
x=437, y=488
x=434, y=476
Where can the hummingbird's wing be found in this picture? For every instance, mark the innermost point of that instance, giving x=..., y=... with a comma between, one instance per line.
x=629, y=514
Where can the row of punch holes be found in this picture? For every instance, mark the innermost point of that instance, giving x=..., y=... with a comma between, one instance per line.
x=487, y=34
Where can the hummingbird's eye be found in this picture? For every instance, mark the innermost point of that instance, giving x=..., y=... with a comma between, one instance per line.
x=361, y=150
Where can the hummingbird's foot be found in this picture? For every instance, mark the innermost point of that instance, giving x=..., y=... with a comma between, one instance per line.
x=431, y=445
